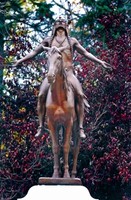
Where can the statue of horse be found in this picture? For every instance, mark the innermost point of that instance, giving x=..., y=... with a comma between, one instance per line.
x=61, y=114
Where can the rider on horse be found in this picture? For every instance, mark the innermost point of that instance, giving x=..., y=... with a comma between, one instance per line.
x=60, y=38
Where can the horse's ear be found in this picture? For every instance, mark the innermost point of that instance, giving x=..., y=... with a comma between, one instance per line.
x=45, y=48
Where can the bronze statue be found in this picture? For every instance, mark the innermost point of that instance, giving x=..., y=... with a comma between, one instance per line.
x=61, y=114
x=60, y=38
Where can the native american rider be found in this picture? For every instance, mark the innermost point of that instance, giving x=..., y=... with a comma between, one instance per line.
x=60, y=38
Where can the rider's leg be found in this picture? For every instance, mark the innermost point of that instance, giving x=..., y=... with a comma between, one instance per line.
x=41, y=109
x=80, y=99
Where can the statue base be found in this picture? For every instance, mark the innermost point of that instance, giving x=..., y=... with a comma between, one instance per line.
x=57, y=189
x=59, y=181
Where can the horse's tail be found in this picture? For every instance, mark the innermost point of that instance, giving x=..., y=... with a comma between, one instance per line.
x=60, y=132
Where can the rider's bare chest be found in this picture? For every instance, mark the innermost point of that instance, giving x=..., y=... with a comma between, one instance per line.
x=63, y=42
x=59, y=42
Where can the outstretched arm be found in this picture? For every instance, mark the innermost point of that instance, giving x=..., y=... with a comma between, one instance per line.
x=32, y=54
x=88, y=55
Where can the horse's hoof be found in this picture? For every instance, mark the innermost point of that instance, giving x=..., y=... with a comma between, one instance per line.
x=55, y=175
x=66, y=175
x=73, y=174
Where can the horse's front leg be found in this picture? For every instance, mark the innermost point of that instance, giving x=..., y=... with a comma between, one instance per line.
x=66, y=149
x=55, y=150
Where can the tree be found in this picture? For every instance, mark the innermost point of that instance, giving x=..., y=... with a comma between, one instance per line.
x=15, y=17
x=2, y=20
x=105, y=19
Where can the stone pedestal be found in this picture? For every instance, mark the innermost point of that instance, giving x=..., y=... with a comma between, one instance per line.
x=59, y=181
x=58, y=189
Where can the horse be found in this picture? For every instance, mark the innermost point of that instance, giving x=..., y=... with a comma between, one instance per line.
x=61, y=114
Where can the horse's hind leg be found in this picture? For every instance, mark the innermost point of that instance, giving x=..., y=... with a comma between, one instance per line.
x=76, y=147
x=55, y=149
x=75, y=157
x=66, y=150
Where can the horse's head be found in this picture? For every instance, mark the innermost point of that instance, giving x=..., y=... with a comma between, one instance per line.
x=54, y=62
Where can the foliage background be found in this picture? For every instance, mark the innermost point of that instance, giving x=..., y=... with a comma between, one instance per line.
x=102, y=27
